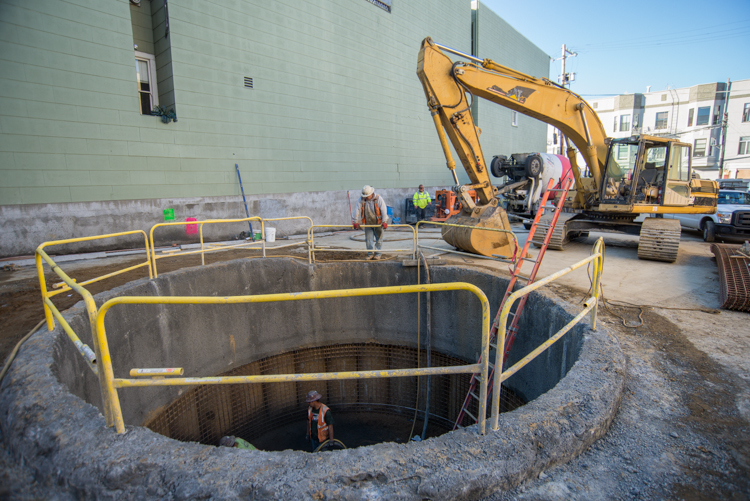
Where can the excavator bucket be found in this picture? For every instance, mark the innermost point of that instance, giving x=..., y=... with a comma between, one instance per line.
x=478, y=241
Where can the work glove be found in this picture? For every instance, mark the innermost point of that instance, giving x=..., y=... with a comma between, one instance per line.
x=355, y=226
x=385, y=226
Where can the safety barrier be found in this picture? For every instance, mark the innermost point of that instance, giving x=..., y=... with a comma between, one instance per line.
x=100, y=361
x=312, y=248
x=213, y=248
x=590, y=305
x=109, y=383
x=511, y=235
x=50, y=310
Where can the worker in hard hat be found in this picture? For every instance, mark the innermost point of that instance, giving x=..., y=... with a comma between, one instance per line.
x=319, y=421
x=371, y=210
x=237, y=442
x=421, y=200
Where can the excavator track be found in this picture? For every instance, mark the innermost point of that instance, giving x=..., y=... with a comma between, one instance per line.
x=560, y=236
x=734, y=277
x=659, y=240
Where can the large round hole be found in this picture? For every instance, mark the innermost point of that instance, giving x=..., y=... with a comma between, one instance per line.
x=366, y=411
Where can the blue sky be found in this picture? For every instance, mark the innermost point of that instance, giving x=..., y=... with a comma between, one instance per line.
x=624, y=47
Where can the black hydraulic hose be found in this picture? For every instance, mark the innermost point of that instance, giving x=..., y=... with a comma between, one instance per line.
x=428, y=344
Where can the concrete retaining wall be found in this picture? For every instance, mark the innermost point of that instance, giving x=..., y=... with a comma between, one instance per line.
x=45, y=420
x=24, y=227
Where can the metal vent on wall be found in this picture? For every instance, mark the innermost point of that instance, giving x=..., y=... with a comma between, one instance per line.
x=249, y=82
x=383, y=4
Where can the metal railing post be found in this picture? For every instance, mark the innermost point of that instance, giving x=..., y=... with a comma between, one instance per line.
x=591, y=303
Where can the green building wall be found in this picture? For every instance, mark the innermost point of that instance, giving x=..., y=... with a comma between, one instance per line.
x=335, y=104
x=497, y=40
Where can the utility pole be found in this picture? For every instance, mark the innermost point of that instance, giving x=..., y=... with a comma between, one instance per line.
x=564, y=79
x=724, y=124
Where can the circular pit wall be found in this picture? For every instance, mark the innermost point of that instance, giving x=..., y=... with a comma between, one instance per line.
x=50, y=402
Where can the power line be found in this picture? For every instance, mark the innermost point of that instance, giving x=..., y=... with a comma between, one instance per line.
x=679, y=34
x=665, y=42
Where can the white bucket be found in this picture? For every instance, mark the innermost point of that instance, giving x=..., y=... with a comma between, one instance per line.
x=270, y=234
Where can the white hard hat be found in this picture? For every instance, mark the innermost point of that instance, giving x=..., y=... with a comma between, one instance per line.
x=367, y=191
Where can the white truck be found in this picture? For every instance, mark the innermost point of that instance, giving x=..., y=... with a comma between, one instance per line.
x=731, y=221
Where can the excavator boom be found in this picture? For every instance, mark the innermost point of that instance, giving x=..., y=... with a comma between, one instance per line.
x=446, y=85
x=645, y=174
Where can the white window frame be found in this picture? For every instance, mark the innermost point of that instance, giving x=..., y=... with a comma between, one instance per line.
x=700, y=152
x=698, y=116
x=150, y=61
x=744, y=148
x=625, y=126
x=664, y=122
x=514, y=118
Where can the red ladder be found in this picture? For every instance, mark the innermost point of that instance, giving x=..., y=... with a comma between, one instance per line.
x=515, y=316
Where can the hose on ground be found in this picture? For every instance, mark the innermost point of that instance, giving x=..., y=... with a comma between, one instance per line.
x=13, y=353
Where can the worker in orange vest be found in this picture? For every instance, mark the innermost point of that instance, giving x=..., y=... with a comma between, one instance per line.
x=319, y=421
x=371, y=210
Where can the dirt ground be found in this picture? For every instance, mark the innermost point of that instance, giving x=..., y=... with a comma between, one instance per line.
x=682, y=431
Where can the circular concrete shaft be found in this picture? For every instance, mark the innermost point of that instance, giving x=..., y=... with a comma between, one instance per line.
x=49, y=414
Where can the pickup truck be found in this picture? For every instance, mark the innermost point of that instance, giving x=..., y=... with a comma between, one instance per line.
x=732, y=218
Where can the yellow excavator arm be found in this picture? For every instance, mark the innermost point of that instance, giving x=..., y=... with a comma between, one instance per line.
x=446, y=85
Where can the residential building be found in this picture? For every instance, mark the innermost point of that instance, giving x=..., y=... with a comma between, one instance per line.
x=692, y=114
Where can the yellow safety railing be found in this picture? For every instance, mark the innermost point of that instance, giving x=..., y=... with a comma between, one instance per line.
x=50, y=310
x=201, y=251
x=262, y=241
x=510, y=234
x=590, y=305
x=285, y=219
x=214, y=247
x=312, y=248
x=110, y=384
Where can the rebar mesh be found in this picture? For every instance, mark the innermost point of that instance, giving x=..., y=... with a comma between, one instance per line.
x=206, y=413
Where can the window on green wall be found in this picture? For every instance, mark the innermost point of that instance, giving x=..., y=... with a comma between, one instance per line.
x=514, y=118
x=145, y=77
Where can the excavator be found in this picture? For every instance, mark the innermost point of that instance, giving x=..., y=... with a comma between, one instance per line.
x=624, y=178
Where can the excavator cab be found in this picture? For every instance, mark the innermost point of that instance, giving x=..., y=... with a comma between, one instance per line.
x=635, y=171
x=648, y=174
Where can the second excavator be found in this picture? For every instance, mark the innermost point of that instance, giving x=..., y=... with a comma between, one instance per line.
x=624, y=179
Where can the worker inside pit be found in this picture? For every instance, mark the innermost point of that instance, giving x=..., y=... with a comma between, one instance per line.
x=319, y=421
x=236, y=442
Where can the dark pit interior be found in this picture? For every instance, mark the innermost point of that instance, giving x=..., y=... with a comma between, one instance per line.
x=366, y=333
x=366, y=411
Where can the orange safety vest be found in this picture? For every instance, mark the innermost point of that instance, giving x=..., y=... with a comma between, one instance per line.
x=322, y=426
x=377, y=211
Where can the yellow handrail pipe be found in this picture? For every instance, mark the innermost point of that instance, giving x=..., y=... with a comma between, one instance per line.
x=111, y=384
